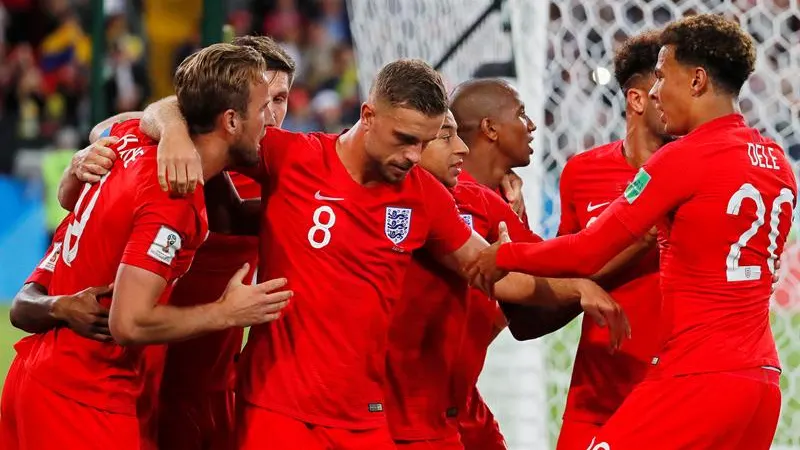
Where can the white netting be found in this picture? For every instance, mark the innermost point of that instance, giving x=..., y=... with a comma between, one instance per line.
x=580, y=113
x=558, y=44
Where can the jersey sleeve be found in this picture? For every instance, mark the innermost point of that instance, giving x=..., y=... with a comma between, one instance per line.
x=448, y=231
x=500, y=211
x=163, y=228
x=659, y=187
x=569, y=223
x=43, y=272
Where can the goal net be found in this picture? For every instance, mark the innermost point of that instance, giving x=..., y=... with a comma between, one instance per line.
x=562, y=52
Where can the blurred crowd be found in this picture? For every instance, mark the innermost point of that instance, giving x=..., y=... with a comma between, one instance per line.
x=46, y=51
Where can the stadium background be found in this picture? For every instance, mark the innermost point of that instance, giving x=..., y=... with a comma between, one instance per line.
x=65, y=63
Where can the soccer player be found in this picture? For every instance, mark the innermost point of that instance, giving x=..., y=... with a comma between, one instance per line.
x=429, y=321
x=147, y=240
x=196, y=402
x=723, y=197
x=196, y=409
x=342, y=216
x=493, y=123
x=589, y=183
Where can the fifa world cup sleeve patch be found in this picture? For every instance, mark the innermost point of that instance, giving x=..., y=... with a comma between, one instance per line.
x=49, y=263
x=165, y=246
x=635, y=188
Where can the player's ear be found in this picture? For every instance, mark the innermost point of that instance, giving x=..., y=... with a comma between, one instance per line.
x=367, y=114
x=636, y=100
x=699, y=81
x=488, y=129
x=230, y=121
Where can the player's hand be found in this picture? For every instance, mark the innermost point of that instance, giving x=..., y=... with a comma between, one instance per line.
x=179, y=165
x=245, y=305
x=483, y=272
x=94, y=161
x=511, y=186
x=598, y=304
x=83, y=314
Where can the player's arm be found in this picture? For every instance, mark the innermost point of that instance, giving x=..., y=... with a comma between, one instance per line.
x=34, y=311
x=654, y=192
x=179, y=165
x=227, y=212
x=512, y=190
x=528, y=290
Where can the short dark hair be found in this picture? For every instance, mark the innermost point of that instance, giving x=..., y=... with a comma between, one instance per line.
x=411, y=83
x=718, y=45
x=275, y=56
x=215, y=79
x=637, y=56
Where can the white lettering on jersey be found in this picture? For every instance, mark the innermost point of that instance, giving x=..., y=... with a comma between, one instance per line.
x=165, y=246
x=759, y=158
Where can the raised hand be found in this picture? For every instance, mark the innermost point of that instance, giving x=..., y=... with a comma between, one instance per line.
x=179, y=165
x=94, y=161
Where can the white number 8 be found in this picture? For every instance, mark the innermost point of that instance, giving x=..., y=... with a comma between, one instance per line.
x=325, y=228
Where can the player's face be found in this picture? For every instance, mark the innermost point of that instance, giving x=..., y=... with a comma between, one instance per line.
x=652, y=116
x=445, y=155
x=515, y=132
x=253, y=127
x=279, y=95
x=672, y=92
x=395, y=138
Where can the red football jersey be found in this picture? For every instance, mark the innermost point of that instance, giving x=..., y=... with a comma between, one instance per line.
x=727, y=194
x=207, y=363
x=600, y=381
x=344, y=248
x=484, y=314
x=124, y=218
x=43, y=272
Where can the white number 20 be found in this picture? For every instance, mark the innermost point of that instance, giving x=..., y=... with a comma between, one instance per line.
x=734, y=272
x=319, y=226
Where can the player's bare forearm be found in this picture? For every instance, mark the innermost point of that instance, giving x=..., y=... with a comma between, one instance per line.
x=101, y=127
x=528, y=322
x=161, y=117
x=31, y=309
x=136, y=318
x=524, y=289
x=227, y=212
x=69, y=189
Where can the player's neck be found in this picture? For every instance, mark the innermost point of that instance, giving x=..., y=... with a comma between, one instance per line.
x=213, y=154
x=714, y=107
x=639, y=143
x=486, y=165
x=350, y=148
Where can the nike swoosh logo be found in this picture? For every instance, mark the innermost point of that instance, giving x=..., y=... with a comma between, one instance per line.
x=319, y=196
x=592, y=207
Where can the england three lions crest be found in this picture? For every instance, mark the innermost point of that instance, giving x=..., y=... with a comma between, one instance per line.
x=398, y=222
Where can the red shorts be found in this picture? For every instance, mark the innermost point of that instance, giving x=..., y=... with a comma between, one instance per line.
x=728, y=410
x=202, y=421
x=452, y=442
x=259, y=428
x=8, y=405
x=46, y=420
x=576, y=435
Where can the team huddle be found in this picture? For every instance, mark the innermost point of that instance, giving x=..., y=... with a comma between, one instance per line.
x=374, y=267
